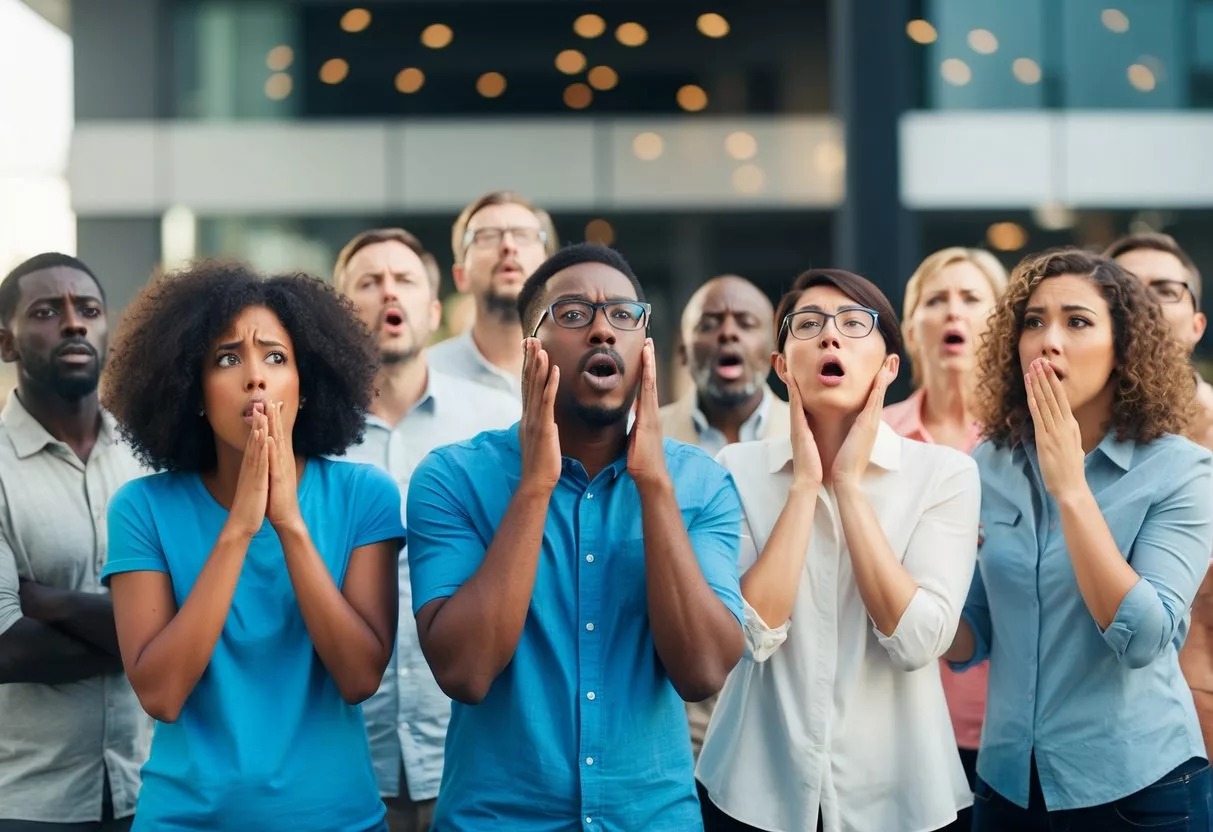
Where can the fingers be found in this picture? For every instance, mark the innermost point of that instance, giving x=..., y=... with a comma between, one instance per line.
x=1059, y=392
x=549, y=395
x=648, y=386
x=1037, y=403
x=1046, y=396
x=881, y=386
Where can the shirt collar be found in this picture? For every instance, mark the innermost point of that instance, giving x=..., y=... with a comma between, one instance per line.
x=1120, y=453
x=29, y=436
x=429, y=400
x=886, y=451
x=613, y=470
x=910, y=425
x=752, y=426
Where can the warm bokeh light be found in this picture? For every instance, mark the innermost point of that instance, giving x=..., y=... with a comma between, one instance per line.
x=648, y=146
x=741, y=145
x=578, y=96
x=355, y=20
x=490, y=84
x=956, y=72
x=410, y=80
x=921, y=32
x=712, y=25
x=1007, y=236
x=983, y=41
x=1026, y=71
x=334, y=71
x=589, y=26
x=1142, y=78
x=599, y=231
x=603, y=78
x=631, y=34
x=570, y=62
x=829, y=157
x=278, y=86
x=692, y=98
x=437, y=36
x=749, y=179
x=1115, y=20
x=280, y=57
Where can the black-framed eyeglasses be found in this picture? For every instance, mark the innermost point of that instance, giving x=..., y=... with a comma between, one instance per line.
x=490, y=237
x=1169, y=291
x=851, y=321
x=624, y=315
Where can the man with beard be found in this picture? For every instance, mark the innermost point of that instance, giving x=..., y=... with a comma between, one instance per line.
x=575, y=581
x=498, y=241
x=72, y=734
x=393, y=282
x=727, y=341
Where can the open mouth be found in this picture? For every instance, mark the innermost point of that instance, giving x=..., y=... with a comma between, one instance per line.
x=254, y=405
x=954, y=338
x=832, y=369
x=601, y=372
x=1061, y=376
x=393, y=318
x=730, y=367
x=831, y=372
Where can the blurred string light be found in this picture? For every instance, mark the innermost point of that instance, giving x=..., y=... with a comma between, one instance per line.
x=1142, y=78
x=355, y=20
x=491, y=84
x=956, y=72
x=1026, y=71
x=692, y=98
x=437, y=36
x=829, y=157
x=741, y=145
x=599, y=231
x=712, y=25
x=631, y=34
x=1006, y=236
x=334, y=71
x=589, y=26
x=1114, y=20
x=648, y=146
x=983, y=42
x=278, y=86
x=280, y=57
x=921, y=32
x=570, y=61
x=578, y=96
x=603, y=78
x=410, y=80
x=749, y=179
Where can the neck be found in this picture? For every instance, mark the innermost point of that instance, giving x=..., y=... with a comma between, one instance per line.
x=595, y=448
x=728, y=418
x=1094, y=418
x=829, y=432
x=948, y=400
x=499, y=342
x=400, y=387
x=74, y=421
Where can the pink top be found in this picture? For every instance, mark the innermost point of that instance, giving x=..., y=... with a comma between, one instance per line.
x=965, y=692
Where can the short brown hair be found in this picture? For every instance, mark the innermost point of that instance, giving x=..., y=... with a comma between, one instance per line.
x=1153, y=378
x=459, y=229
x=1156, y=241
x=859, y=289
x=385, y=235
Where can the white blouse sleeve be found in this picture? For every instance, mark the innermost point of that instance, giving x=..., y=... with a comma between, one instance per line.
x=761, y=641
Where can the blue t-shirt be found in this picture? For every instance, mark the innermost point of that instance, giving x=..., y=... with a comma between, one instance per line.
x=265, y=740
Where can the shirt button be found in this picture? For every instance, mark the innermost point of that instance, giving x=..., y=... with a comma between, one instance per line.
x=588, y=821
x=590, y=626
x=591, y=696
x=589, y=496
x=589, y=761
x=589, y=558
x=404, y=671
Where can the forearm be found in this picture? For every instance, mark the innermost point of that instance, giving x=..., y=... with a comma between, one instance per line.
x=166, y=670
x=87, y=616
x=696, y=636
x=34, y=652
x=885, y=586
x=964, y=645
x=771, y=585
x=474, y=633
x=1104, y=576
x=347, y=645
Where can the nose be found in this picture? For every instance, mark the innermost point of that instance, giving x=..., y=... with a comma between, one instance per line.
x=508, y=246
x=600, y=329
x=255, y=380
x=729, y=331
x=955, y=309
x=73, y=324
x=826, y=340
x=391, y=293
x=1051, y=343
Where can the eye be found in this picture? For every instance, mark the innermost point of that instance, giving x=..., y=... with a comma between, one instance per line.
x=622, y=313
x=43, y=312
x=228, y=359
x=852, y=322
x=1079, y=323
x=276, y=357
x=91, y=312
x=746, y=321
x=936, y=301
x=572, y=315
x=808, y=323
x=1032, y=323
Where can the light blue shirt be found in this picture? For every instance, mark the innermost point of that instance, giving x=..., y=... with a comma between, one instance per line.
x=407, y=718
x=460, y=357
x=265, y=740
x=1106, y=713
x=583, y=729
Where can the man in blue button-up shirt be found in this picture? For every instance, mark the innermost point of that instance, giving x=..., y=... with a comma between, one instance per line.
x=574, y=581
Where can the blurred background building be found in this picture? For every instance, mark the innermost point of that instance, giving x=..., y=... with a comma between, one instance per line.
x=697, y=136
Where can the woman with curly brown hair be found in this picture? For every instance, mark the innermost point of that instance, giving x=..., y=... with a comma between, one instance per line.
x=253, y=579
x=1098, y=527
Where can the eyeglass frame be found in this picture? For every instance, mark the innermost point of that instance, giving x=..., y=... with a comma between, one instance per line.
x=830, y=317
x=469, y=236
x=1186, y=286
x=549, y=312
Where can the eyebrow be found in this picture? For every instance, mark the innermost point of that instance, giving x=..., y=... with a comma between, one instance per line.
x=585, y=299
x=815, y=308
x=57, y=300
x=1038, y=310
x=231, y=345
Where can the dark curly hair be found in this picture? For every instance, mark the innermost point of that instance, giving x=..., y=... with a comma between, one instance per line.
x=1154, y=383
x=153, y=380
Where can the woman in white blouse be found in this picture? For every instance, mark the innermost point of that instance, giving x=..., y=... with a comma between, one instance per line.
x=857, y=549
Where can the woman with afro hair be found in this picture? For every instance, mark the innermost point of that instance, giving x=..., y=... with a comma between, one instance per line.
x=253, y=578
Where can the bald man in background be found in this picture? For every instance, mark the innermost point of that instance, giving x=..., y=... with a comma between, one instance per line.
x=728, y=335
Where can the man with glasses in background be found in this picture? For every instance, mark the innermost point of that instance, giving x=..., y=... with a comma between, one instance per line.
x=575, y=580
x=497, y=242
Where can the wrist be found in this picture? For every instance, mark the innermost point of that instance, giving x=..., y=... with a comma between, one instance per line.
x=1075, y=498
x=845, y=487
x=290, y=528
x=804, y=489
x=654, y=485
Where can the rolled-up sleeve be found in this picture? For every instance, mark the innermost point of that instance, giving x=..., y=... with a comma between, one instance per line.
x=940, y=556
x=1171, y=554
x=714, y=536
x=10, y=585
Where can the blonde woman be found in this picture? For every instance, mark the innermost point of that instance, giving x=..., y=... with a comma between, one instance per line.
x=948, y=301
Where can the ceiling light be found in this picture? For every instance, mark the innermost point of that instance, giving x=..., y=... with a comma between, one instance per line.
x=437, y=36
x=741, y=145
x=491, y=84
x=589, y=26
x=921, y=32
x=570, y=62
x=1115, y=20
x=648, y=146
x=1026, y=71
x=712, y=25
x=983, y=41
x=279, y=58
x=692, y=98
x=829, y=157
x=355, y=20
x=599, y=231
x=1007, y=236
x=956, y=72
x=278, y=86
x=409, y=80
x=334, y=71
x=578, y=96
x=631, y=34
x=603, y=78
x=1142, y=78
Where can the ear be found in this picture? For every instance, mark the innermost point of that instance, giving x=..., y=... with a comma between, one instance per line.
x=1199, y=324
x=894, y=362
x=780, y=364
x=907, y=337
x=683, y=354
x=8, y=346
x=460, y=278
x=435, y=315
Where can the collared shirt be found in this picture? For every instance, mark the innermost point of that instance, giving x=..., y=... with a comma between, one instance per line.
x=1106, y=713
x=583, y=729
x=966, y=692
x=58, y=743
x=826, y=714
x=407, y=718
x=460, y=357
x=711, y=440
